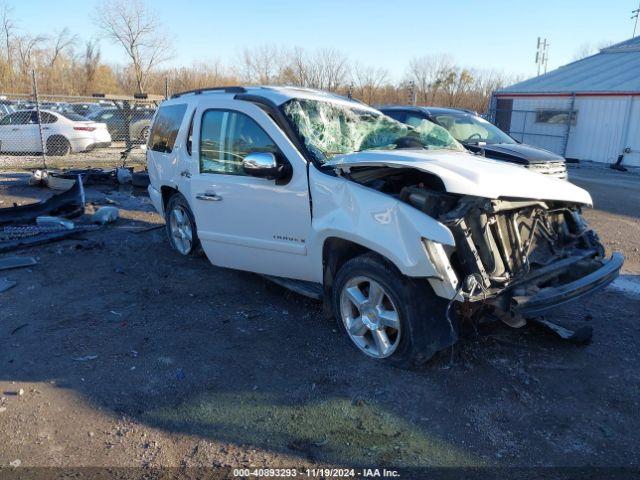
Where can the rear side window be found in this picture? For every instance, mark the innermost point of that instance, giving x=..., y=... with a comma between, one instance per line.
x=165, y=128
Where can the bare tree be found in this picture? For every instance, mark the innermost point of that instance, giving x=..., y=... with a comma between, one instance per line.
x=262, y=64
x=368, y=81
x=455, y=82
x=427, y=73
x=62, y=41
x=26, y=47
x=327, y=69
x=131, y=25
x=90, y=64
x=8, y=26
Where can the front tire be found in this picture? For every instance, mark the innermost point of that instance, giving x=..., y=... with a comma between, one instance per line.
x=181, y=225
x=389, y=316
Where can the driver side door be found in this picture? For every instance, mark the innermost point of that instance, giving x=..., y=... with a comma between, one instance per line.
x=245, y=222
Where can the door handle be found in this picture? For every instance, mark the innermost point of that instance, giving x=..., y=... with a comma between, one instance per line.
x=209, y=196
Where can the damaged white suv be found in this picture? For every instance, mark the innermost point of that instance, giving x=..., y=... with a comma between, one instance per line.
x=398, y=229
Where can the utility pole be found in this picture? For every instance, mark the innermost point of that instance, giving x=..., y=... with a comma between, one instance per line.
x=634, y=16
x=542, y=54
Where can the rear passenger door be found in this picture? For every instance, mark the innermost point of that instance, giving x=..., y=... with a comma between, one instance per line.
x=245, y=222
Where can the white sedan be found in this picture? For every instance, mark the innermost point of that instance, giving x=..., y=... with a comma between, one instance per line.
x=62, y=133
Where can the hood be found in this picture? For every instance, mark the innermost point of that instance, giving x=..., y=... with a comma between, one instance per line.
x=516, y=153
x=467, y=174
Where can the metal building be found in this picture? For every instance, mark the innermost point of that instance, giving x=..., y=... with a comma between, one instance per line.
x=586, y=110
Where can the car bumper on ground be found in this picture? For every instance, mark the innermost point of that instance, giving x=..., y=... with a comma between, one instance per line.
x=551, y=297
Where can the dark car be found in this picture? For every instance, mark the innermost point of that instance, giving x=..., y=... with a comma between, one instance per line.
x=477, y=134
x=117, y=122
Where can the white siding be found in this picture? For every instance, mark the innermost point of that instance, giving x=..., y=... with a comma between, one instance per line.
x=633, y=135
x=605, y=126
x=599, y=131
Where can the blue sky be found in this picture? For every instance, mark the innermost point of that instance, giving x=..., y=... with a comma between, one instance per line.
x=491, y=34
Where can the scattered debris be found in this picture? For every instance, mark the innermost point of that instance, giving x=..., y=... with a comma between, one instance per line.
x=55, y=182
x=105, y=215
x=48, y=221
x=6, y=284
x=580, y=336
x=30, y=236
x=16, y=262
x=67, y=204
x=124, y=175
x=15, y=463
x=17, y=329
x=20, y=392
x=86, y=358
x=3, y=409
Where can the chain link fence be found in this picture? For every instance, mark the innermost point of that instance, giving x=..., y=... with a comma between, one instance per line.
x=57, y=131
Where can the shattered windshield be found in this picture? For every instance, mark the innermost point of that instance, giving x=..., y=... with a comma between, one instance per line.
x=330, y=129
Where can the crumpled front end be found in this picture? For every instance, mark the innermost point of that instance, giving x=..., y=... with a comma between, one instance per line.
x=520, y=257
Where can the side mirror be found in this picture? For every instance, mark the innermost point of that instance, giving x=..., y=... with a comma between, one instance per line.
x=263, y=165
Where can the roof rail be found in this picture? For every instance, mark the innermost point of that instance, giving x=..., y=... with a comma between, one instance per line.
x=198, y=91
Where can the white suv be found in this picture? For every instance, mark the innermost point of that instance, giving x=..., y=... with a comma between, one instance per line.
x=398, y=229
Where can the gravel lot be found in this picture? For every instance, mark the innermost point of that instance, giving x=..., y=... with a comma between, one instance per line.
x=129, y=355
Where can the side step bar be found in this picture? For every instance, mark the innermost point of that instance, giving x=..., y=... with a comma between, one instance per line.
x=308, y=289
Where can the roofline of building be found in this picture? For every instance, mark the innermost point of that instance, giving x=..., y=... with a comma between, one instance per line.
x=566, y=94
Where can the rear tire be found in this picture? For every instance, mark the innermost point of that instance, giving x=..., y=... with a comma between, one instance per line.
x=58, y=146
x=144, y=134
x=181, y=226
x=399, y=320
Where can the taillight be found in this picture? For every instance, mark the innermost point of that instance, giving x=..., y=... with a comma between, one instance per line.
x=85, y=129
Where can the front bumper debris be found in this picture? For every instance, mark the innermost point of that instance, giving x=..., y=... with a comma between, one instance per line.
x=550, y=297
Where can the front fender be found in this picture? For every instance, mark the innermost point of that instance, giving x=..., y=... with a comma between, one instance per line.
x=377, y=221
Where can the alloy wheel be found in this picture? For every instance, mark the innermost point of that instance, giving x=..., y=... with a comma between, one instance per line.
x=181, y=229
x=370, y=317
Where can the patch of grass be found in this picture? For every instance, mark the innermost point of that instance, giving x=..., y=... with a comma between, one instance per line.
x=333, y=430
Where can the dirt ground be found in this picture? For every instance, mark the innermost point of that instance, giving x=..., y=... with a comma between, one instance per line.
x=128, y=355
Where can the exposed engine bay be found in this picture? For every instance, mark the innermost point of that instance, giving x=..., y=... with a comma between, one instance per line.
x=518, y=256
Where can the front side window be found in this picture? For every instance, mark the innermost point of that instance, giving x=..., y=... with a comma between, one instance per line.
x=226, y=138
x=165, y=128
x=330, y=128
x=18, y=118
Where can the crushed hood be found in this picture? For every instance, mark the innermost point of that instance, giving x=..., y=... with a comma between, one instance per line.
x=467, y=174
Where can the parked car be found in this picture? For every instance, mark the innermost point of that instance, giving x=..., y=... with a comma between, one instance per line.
x=63, y=133
x=6, y=107
x=85, y=109
x=479, y=135
x=400, y=230
x=116, y=121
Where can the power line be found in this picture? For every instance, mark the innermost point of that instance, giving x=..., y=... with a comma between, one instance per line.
x=634, y=15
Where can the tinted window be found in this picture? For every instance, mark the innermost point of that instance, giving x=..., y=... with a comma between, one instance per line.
x=165, y=127
x=556, y=116
x=47, y=117
x=74, y=116
x=18, y=118
x=398, y=115
x=226, y=138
